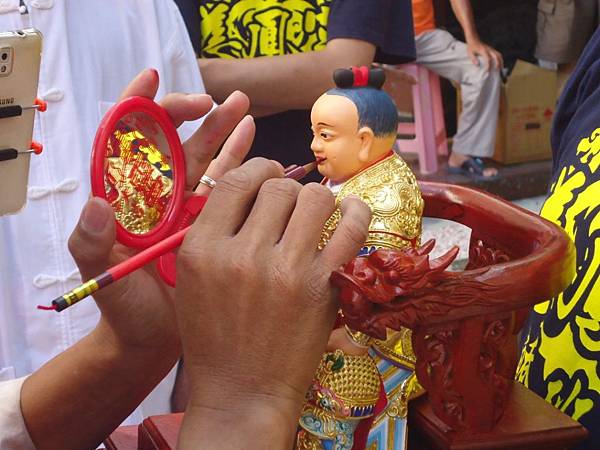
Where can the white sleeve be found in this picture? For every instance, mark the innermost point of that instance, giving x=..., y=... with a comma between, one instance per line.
x=13, y=433
x=183, y=73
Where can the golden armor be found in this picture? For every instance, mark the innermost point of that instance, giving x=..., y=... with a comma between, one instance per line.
x=390, y=189
x=334, y=402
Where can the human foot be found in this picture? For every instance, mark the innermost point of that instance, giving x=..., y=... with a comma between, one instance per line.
x=471, y=166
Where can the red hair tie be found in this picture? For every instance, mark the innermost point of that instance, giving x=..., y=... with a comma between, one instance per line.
x=361, y=76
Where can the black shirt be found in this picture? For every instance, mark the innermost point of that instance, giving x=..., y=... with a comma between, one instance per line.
x=561, y=350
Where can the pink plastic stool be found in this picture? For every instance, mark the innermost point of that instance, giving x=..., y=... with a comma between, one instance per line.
x=428, y=128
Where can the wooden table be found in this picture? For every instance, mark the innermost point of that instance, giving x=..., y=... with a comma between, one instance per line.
x=123, y=438
x=528, y=423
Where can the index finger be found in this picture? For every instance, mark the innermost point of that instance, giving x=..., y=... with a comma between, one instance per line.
x=145, y=84
x=473, y=57
x=499, y=60
x=231, y=200
x=201, y=147
x=231, y=155
x=487, y=60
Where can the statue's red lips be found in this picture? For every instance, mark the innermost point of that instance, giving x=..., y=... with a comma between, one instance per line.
x=320, y=159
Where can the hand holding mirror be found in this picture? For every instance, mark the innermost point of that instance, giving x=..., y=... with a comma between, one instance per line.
x=139, y=166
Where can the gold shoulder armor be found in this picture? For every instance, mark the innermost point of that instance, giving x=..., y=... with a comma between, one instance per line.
x=391, y=191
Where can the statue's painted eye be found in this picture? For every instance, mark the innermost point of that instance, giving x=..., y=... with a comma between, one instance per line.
x=324, y=135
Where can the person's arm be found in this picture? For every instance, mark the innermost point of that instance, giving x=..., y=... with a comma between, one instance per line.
x=252, y=346
x=287, y=81
x=78, y=398
x=261, y=111
x=464, y=14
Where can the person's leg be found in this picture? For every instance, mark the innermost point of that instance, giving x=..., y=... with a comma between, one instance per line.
x=480, y=93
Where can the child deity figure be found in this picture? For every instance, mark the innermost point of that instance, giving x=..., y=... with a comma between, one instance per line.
x=360, y=393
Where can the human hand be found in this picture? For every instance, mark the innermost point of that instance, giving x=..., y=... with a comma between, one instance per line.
x=394, y=75
x=137, y=311
x=491, y=57
x=254, y=303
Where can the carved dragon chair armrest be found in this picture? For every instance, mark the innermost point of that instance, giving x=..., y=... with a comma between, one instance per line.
x=534, y=260
x=461, y=321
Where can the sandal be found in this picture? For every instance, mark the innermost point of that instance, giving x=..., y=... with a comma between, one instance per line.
x=473, y=167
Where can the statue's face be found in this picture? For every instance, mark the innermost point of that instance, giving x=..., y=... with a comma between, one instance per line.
x=336, y=142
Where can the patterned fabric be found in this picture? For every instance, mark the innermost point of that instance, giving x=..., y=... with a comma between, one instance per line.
x=248, y=29
x=388, y=431
x=277, y=27
x=561, y=347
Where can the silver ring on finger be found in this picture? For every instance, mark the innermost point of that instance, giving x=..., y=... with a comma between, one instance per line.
x=208, y=181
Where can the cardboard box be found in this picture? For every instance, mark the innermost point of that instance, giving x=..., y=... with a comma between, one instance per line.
x=527, y=104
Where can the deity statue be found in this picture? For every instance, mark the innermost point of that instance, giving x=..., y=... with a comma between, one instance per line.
x=359, y=395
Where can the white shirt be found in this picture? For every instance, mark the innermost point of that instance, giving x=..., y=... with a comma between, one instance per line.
x=91, y=50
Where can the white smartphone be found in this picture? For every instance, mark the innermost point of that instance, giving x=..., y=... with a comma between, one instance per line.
x=20, y=56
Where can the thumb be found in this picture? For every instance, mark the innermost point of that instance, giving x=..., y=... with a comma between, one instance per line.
x=487, y=61
x=92, y=240
x=473, y=57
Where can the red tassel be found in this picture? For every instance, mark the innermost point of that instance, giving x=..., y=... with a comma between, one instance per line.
x=47, y=308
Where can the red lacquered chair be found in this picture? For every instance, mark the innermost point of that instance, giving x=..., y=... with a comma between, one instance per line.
x=465, y=323
x=464, y=326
